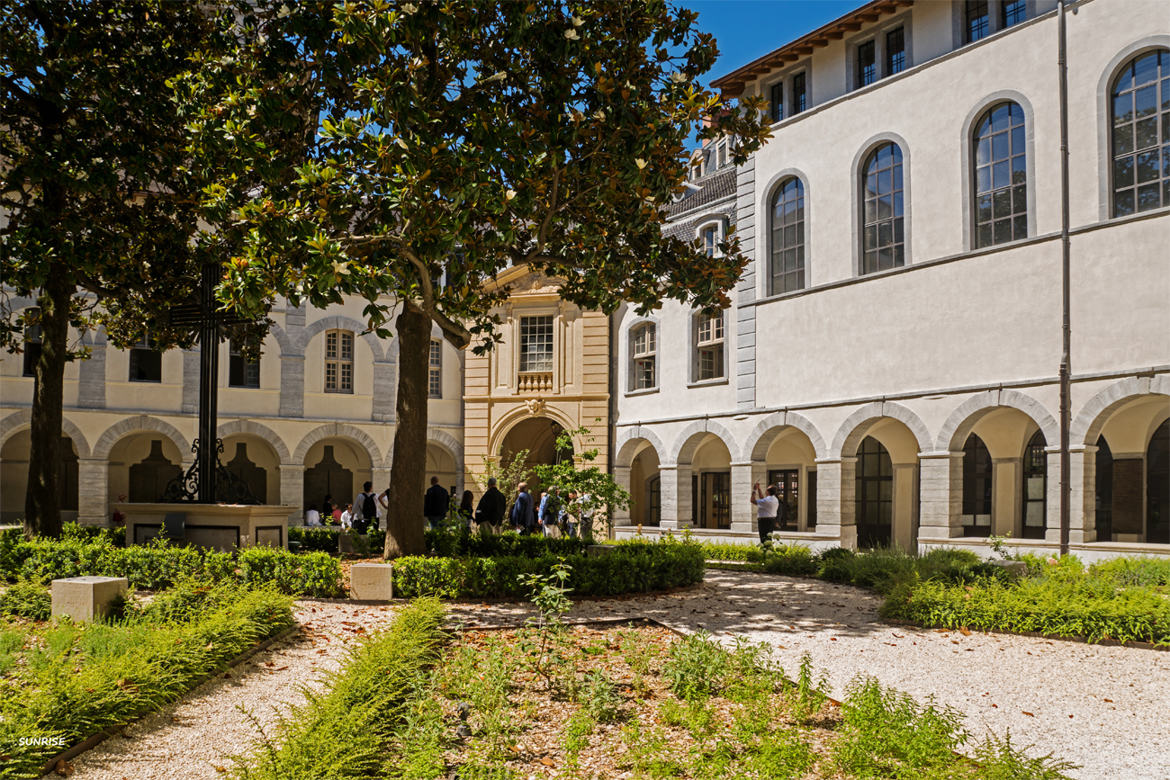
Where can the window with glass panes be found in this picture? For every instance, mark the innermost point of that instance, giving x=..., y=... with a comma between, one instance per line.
x=799, y=93
x=776, y=102
x=536, y=343
x=866, y=63
x=976, y=488
x=1035, y=488
x=1001, y=176
x=895, y=51
x=883, y=235
x=875, y=494
x=653, y=514
x=710, y=240
x=242, y=371
x=32, y=341
x=976, y=21
x=435, y=370
x=643, y=358
x=338, y=361
x=709, y=346
x=145, y=361
x=787, y=250
x=1012, y=12
x=1141, y=134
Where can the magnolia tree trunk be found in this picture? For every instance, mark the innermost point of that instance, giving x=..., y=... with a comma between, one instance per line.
x=42, y=501
x=404, y=525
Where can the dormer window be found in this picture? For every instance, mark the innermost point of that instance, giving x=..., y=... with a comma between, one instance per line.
x=776, y=102
x=976, y=20
x=721, y=154
x=799, y=93
x=895, y=51
x=880, y=55
x=866, y=63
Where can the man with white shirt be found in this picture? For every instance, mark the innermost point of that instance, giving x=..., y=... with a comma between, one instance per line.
x=766, y=506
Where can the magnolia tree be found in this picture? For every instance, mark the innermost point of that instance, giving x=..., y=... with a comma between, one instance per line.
x=453, y=140
x=96, y=226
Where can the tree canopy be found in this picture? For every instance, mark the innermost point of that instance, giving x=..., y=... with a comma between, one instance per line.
x=455, y=139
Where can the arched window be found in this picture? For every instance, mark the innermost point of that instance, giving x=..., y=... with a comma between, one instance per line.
x=875, y=494
x=883, y=240
x=643, y=357
x=1035, y=487
x=1141, y=134
x=787, y=266
x=338, y=361
x=1001, y=176
x=976, y=488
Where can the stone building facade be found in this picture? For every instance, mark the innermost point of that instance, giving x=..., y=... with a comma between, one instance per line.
x=315, y=416
x=891, y=355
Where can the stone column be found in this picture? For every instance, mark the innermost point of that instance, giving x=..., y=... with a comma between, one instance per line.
x=835, y=499
x=1083, y=477
x=292, y=385
x=621, y=475
x=292, y=491
x=190, y=402
x=91, y=380
x=1052, y=496
x=940, y=495
x=93, y=507
x=743, y=512
x=905, y=531
x=385, y=391
x=1006, y=500
x=676, y=496
x=380, y=476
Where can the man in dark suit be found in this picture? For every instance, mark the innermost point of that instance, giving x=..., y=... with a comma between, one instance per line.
x=435, y=504
x=489, y=514
x=522, y=517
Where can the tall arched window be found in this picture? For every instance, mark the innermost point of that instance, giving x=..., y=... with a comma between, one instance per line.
x=976, y=488
x=1001, y=176
x=1141, y=134
x=1035, y=487
x=883, y=240
x=787, y=266
x=875, y=494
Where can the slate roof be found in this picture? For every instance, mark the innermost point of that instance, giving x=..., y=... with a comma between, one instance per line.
x=713, y=187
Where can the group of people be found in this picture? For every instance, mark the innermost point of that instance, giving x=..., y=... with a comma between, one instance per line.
x=552, y=515
x=362, y=514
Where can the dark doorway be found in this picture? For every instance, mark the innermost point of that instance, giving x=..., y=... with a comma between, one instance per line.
x=1035, y=488
x=1158, y=486
x=711, y=499
x=875, y=495
x=787, y=482
x=149, y=479
x=328, y=478
x=1104, y=491
x=255, y=477
x=67, y=475
x=976, y=488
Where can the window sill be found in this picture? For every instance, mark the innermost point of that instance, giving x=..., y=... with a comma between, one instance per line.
x=722, y=380
x=146, y=381
x=643, y=391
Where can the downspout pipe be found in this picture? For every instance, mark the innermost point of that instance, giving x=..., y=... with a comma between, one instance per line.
x=1065, y=288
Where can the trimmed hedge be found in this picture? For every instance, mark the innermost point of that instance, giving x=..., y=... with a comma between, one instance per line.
x=159, y=565
x=626, y=567
x=116, y=672
x=347, y=732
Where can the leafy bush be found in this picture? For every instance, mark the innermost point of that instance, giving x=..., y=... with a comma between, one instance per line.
x=836, y=565
x=114, y=673
x=792, y=560
x=748, y=553
x=1154, y=572
x=445, y=543
x=159, y=565
x=696, y=667
x=627, y=567
x=346, y=732
x=26, y=599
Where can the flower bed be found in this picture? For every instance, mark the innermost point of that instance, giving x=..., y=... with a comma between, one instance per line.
x=628, y=567
x=61, y=683
x=159, y=565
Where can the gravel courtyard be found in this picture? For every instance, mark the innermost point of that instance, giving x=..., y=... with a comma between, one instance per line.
x=1099, y=706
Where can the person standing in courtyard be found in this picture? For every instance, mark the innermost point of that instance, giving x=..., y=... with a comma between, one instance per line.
x=767, y=505
x=521, y=509
x=365, y=508
x=436, y=503
x=489, y=514
x=466, y=508
x=550, y=513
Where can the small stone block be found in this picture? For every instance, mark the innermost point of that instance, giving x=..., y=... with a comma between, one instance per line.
x=345, y=543
x=371, y=581
x=86, y=598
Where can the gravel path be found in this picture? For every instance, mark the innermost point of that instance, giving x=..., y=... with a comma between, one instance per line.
x=195, y=737
x=1106, y=708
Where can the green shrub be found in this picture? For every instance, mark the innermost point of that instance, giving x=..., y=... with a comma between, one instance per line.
x=346, y=732
x=793, y=560
x=696, y=667
x=311, y=574
x=26, y=599
x=836, y=564
x=747, y=553
x=1153, y=572
x=101, y=675
x=627, y=567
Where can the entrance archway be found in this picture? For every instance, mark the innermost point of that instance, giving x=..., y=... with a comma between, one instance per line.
x=537, y=435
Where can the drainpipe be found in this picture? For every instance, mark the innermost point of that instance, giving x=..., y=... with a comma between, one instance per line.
x=611, y=423
x=1066, y=330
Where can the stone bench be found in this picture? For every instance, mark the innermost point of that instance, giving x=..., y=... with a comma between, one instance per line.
x=371, y=581
x=86, y=598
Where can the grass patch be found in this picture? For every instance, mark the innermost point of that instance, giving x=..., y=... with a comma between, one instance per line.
x=67, y=681
x=372, y=700
x=643, y=703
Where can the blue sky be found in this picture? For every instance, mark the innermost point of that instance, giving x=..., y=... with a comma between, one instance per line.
x=747, y=29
